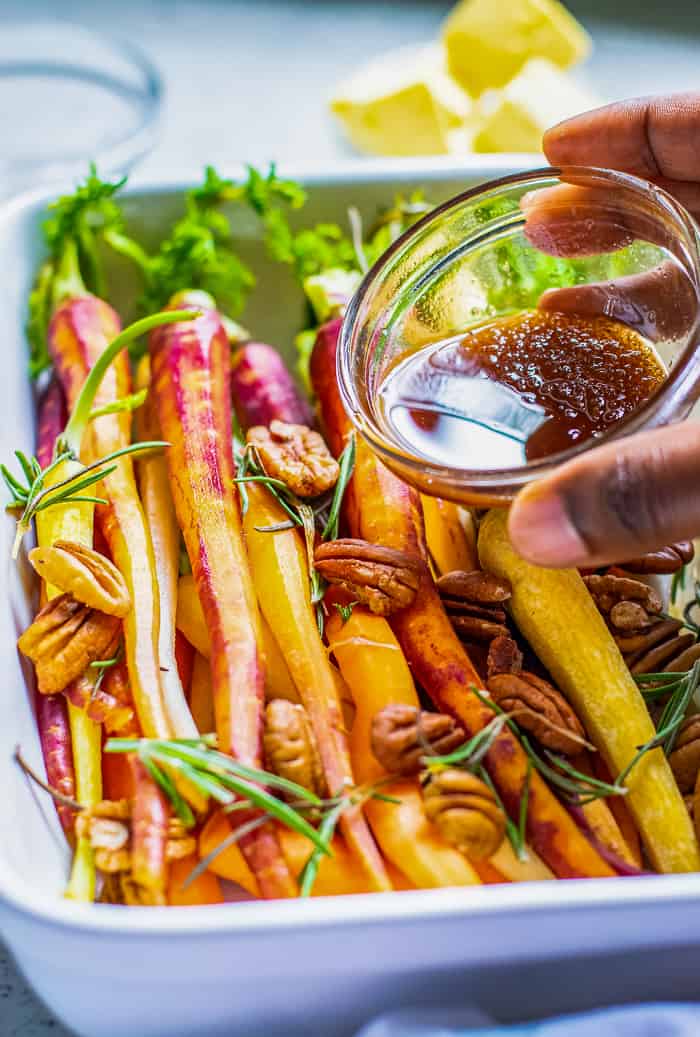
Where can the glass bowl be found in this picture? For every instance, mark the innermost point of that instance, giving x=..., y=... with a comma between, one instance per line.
x=611, y=244
x=70, y=96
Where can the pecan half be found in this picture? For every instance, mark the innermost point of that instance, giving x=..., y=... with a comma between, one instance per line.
x=540, y=709
x=83, y=573
x=649, y=642
x=290, y=747
x=107, y=825
x=297, y=455
x=666, y=560
x=474, y=602
x=477, y=587
x=685, y=758
x=382, y=578
x=64, y=639
x=607, y=591
x=504, y=657
x=465, y=812
x=401, y=735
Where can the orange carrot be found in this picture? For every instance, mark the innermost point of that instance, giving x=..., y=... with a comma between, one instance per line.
x=191, y=382
x=382, y=509
x=204, y=889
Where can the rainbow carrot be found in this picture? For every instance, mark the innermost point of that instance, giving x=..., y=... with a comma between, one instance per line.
x=263, y=390
x=191, y=380
x=51, y=710
x=80, y=330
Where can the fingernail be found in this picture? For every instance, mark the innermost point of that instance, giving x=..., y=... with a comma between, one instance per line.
x=542, y=532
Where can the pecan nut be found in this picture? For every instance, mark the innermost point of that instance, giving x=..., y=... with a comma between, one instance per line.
x=465, y=812
x=107, y=826
x=685, y=758
x=380, y=577
x=64, y=639
x=401, y=735
x=474, y=603
x=648, y=641
x=297, y=455
x=477, y=587
x=504, y=657
x=85, y=574
x=608, y=590
x=290, y=747
x=539, y=708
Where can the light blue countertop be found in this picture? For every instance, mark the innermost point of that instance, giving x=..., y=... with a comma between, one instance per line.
x=247, y=80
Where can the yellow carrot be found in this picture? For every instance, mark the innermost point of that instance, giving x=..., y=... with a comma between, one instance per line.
x=448, y=546
x=281, y=575
x=557, y=615
x=75, y=522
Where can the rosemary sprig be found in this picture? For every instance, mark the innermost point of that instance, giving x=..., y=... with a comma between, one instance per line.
x=470, y=756
x=573, y=785
x=326, y=832
x=346, y=465
x=239, y=787
x=220, y=777
x=34, y=496
x=473, y=751
x=670, y=720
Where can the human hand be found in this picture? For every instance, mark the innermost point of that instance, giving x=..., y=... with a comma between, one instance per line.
x=636, y=495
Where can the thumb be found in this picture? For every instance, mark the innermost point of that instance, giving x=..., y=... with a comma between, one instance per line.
x=614, y=503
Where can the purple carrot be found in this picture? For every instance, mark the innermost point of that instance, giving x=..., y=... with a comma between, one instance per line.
x=51, y=710
x=262, y=389
x=52, y=421
x=54, y=733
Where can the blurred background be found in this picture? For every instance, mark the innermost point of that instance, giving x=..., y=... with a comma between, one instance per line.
x=252, y=79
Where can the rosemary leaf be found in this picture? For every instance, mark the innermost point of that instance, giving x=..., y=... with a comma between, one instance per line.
x=161, y=778
x=26, y=466
x=325, y=833
x=346, y=465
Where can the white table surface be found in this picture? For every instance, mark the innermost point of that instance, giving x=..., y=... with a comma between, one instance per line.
x=247, y=80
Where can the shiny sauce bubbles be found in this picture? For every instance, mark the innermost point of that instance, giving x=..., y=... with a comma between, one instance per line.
x=518, y=388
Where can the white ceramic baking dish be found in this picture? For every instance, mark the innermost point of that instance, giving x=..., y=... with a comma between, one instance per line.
x=320, y=967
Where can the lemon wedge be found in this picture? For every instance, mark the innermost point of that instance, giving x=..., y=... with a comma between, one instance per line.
x=487, y=42
x=404, y=103
x=540, y=96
